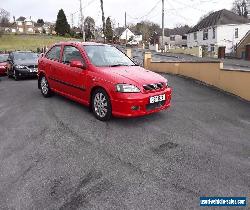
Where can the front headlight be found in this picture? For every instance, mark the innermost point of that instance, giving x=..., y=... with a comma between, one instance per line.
x=126, y=88
x=20, y=67
x=166, y=84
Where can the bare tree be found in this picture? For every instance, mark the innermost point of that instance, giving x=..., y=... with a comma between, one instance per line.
x=103, y=20
x=4, y=17
x=240, y=7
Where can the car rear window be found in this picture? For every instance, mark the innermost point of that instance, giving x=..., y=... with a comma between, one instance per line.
x=3, y=57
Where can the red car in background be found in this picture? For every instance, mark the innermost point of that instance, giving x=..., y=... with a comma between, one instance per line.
x=103, y=78
x=3, y=64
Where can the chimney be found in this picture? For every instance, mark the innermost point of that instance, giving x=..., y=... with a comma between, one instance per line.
x=14, y=18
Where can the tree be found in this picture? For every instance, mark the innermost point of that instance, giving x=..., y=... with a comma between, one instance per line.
x=40, y=22
x=4, y=17
x=240, y=7
x=103, y=20
x=89, y=28
x=147, y=29
x=109, y=30
x=62, y=26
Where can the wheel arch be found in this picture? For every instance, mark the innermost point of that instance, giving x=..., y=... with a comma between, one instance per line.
x=95, y=87
x=39, y=78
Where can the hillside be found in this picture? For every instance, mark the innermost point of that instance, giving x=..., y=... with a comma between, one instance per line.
x=28, y=42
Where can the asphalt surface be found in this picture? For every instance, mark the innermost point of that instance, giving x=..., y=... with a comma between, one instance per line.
x=230, y=64
x=55, y=155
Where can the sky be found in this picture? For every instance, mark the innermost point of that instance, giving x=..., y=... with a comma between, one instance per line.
x=177, y=12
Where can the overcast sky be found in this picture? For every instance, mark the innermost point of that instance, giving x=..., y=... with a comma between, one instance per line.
x=176, y=11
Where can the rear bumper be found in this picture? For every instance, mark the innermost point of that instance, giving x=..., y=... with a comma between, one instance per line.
x=123, y=107
x=2, y=71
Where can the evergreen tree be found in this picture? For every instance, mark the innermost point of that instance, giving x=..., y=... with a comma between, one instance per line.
x=62, y=26
x=109, y=30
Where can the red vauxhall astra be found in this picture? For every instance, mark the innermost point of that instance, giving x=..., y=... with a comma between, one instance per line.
x=102, y=77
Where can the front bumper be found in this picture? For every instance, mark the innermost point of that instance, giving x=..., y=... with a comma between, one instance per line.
x=25, y=73
x=122, y=105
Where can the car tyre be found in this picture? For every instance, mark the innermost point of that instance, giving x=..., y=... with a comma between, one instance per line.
x=101, y=105
x=45, y=89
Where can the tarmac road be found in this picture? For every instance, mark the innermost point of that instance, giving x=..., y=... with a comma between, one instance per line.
x=55, y=155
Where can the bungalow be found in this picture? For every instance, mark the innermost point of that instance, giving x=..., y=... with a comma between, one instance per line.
x=176, y=37
x=222, y=29
x=127, y=34
x=243, y=48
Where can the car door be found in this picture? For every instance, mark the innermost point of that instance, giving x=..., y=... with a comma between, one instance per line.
x=52, y=67
x=74, y=78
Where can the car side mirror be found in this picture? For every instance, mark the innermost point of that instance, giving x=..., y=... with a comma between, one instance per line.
x=9, y=59
x=77, y=64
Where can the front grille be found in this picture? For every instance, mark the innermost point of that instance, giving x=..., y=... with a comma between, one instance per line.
x=155, y=86
x=156, y=105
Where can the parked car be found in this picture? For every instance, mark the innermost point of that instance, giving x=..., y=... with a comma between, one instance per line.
x=3, y=64
x=133, y=43
x=22, y=64
x=103, y=78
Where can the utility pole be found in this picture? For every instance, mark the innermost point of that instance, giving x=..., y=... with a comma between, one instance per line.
x=72, y=20
x=162, y=39
x=103, y=21
x=82, y=21
x=126, y=28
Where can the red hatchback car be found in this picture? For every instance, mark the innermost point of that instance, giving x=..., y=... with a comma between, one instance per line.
x=103, y=78
x=3, y=64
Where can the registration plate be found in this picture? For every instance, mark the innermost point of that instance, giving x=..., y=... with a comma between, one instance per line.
x=155, y=99
x=34, y=70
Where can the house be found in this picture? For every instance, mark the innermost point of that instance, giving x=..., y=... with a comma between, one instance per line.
x=220, y=30
x=243, y=48
x=176, y=37
x=25, y=25
x=127, y=34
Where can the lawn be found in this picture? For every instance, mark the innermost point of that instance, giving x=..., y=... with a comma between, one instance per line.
x=28, y=42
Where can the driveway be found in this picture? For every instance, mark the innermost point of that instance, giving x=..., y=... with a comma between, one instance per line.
x=231, y=64
x=55, y=155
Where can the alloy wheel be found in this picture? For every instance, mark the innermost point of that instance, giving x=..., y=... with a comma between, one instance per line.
x=100, y=105
x=44, y=86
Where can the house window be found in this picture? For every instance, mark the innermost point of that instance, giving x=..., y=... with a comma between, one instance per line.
x=205, y=34
x=184, y=37
x=213, y=33
x=236, y=33
x=195, y=35
x=172, y=38
x=212, y=48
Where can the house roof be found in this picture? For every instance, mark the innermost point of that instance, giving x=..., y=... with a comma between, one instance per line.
x=221, y=17
x=21, y=18
x=243, y=39
x=177, y=31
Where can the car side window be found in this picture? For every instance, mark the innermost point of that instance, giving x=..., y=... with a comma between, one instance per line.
x=71, y=53
x=54, y=53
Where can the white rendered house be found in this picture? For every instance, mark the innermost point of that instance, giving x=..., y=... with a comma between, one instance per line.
x=220, y=29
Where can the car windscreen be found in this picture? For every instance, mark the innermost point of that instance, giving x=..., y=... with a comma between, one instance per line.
x=3, y=57
x=105, y=55
x=25, y=56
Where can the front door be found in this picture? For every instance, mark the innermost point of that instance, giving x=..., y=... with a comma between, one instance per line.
x=74, y=78
x=247, y=52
